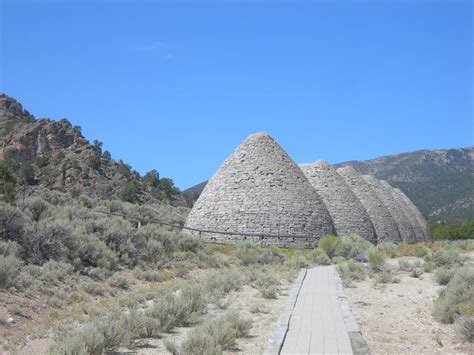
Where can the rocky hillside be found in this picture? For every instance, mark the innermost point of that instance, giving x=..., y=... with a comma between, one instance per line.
x=439, y=182
x=45, y=153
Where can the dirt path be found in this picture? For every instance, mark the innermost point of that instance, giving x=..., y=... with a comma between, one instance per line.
x=396, y=318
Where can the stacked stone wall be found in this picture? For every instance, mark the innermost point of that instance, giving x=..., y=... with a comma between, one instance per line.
x=421, y=220
x=385, y=225
x=259, y=189
x=419, y=236
x=348, y=214
x=405, y=228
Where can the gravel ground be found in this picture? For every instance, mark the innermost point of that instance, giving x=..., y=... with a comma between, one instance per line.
x=396, y=318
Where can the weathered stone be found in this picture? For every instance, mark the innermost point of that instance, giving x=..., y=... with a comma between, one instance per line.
x=421, y=220
x=419, y=235
x=348, y=214
x=260, y=190
x=385, y=226
x=404, y=226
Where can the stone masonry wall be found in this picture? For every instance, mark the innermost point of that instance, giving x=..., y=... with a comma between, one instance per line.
x=419, y=236
x=385, y=226
x=259, y=189
x=348, y=214
x=418, y=215
x=404, y=226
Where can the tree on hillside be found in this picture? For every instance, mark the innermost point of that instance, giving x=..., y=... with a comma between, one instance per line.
x=152, y=178
x=7, y=181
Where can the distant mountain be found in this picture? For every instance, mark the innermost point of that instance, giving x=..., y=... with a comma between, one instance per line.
x=439, y=182
x=51, y=154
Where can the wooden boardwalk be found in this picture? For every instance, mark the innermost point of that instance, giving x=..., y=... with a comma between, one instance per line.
x=317, y=323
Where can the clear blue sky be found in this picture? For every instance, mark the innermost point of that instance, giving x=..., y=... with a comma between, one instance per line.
x=177, y=85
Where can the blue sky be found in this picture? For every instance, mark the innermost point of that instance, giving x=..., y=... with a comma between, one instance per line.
x=177, y=85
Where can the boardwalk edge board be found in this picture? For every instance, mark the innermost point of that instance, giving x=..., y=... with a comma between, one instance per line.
x=276, y=341
x=358, y=343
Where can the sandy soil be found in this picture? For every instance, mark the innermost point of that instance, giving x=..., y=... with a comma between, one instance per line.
x=263, y=323
x=396, y=318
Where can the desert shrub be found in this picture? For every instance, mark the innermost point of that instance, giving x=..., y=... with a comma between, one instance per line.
x=246, y=253
x=9, y=248
x=318, y=257
x=12, y=222
x=377, y=258
x=118, y=281
x=36, y=208
x=220, y=284
x=9, y=270
x=429, y=266
x=216, y=335
x=331, y=244
x=465, y=326
x=272, y=256
x=93, y=252
x=416, y=272
x=351, y=271
x=97, y=273
x=457, y=298
x=94, y=288
x=417, y=249
x=85, y=341
x=147, y=275
x=171, y=347
x=386, y=277
x=56, y=271
x=113, y=329
x=409, y=265
x=355, y=247
x=267, y=285
x=114, y=206
x=337, y=260
x=297, y=261
x=390, y=248
x=443, y=275
x=446, y=258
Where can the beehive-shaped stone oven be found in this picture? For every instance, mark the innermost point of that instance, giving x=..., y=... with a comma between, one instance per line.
x=405, y=228
x=348, y=214
x=385, y=226
x=421, y=220
x=261, y=194
x=419, y=236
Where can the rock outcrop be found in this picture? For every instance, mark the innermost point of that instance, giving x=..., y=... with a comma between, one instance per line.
x=260, y=190
x=348, y=214
x=405, y=228
x=385, y=226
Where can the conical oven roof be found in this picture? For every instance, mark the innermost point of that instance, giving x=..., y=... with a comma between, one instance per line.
x=260, y=190
x=348, y=214
x=404, y=226
x=385, y=226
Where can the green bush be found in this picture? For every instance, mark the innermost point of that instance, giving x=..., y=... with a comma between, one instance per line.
x=351, y=271
x=9, y=270
x=377, y=258
x=386, y=277
x=355, y=247
x=318, y=257
x=87, y=341
x=465, y=326
x=216, y=335
x=390, y=248
x=416, y=272
x=446, y=258
x=267, y=285
x=429, y=266
x=118, y=281
x=331, y=244
x=457, y=299
x=246, y=252
x=9, y=248
x=443, y=275
x=36, y=208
